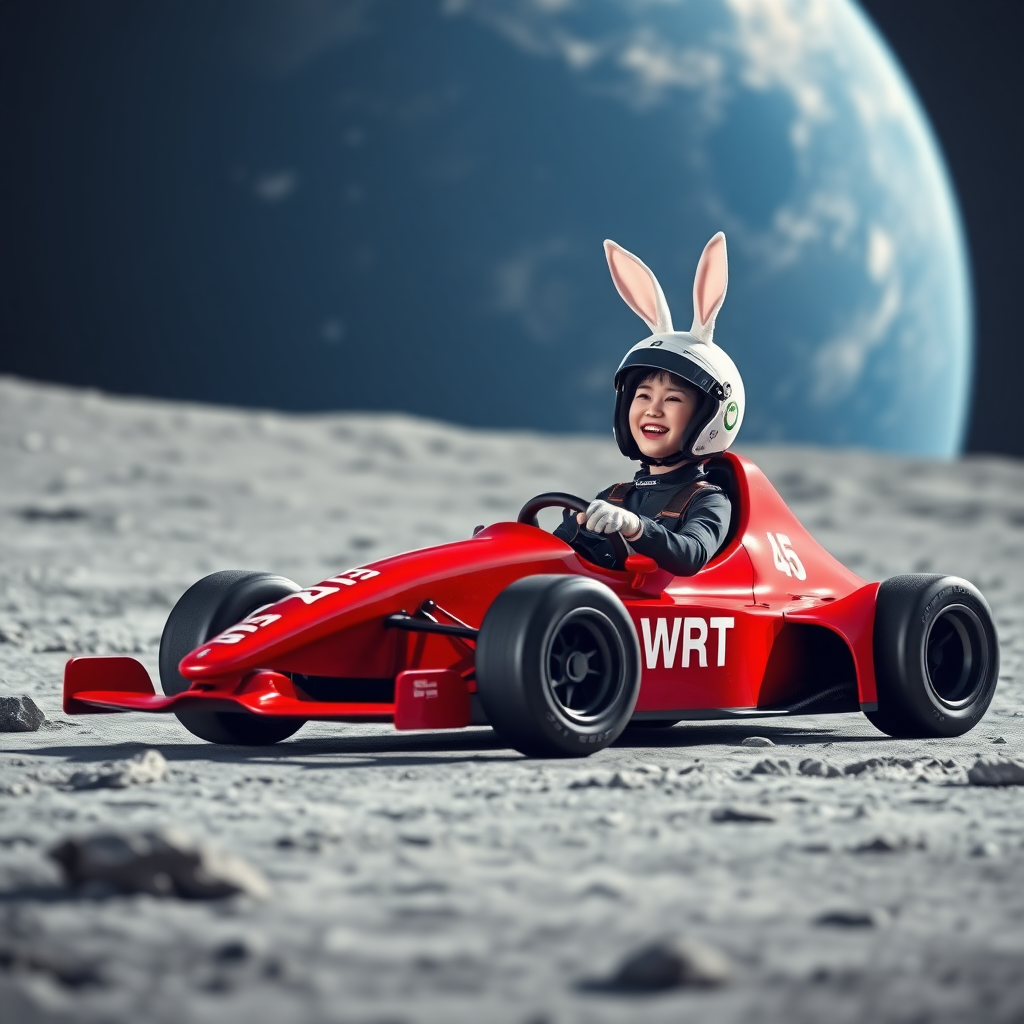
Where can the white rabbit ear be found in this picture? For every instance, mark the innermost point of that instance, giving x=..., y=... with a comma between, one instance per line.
x=639, y=287
x=709, y=287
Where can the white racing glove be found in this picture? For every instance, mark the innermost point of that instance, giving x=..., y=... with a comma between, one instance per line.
x=603, y=517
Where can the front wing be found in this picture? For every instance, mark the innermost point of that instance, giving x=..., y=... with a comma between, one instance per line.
x=424, y=699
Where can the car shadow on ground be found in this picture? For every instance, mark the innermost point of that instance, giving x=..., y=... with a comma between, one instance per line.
x=732, y=734
x=397, y=750
x=473, y=745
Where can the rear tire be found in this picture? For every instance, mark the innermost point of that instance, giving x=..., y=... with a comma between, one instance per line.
x=936, y=656
x=204, y=610
x=558, y=666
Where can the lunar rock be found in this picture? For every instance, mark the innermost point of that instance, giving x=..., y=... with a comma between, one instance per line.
x=815, y=768
x=873, y=918
x=20, y=714
x=859, y=767
x=232, y=951
x=443, y=878
x=612, y=780
x=149, y=766
x=161, y=863
x=65, y=967
x=738, y=813
x=922, y=769
x=672, y=963
x=757, y=741
x=988, y=849
x=886, y=844
x=771, y=766
x=996, y=771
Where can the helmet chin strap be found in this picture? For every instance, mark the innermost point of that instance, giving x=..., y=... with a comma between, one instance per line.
x=669, y=460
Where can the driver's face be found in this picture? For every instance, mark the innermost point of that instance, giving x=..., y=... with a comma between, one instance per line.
x=659, y=416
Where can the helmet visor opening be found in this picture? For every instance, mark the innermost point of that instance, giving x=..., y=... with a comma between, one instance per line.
x=654, y=359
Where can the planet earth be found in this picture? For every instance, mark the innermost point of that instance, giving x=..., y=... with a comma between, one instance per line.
x=370, y=204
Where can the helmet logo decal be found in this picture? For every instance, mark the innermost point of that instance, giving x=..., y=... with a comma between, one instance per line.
x=655, y=344
x=732, y=414
x=712, y=435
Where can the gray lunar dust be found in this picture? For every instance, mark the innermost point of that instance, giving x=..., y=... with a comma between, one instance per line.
x=843, y=875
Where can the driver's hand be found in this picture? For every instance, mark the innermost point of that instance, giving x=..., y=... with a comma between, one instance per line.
x=603, y=517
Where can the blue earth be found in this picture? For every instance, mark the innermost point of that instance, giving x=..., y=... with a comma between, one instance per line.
x=376, y=204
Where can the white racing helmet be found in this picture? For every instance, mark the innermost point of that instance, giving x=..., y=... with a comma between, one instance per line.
x=690, y=354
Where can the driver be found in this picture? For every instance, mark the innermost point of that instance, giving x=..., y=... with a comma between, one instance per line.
x=679, y=401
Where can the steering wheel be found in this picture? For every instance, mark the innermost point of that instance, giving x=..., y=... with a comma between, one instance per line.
x=558, y=499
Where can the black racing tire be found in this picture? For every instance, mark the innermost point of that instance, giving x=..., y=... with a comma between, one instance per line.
x=558, y=666
x=936, y=656
x=204, y=610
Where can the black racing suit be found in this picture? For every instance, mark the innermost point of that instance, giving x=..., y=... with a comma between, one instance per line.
x=684, y=545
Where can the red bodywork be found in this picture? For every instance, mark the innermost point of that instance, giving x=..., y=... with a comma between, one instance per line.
x=769, y=623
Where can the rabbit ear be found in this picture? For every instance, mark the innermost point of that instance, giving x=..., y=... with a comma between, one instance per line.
x=639, y=287
x=709, y=287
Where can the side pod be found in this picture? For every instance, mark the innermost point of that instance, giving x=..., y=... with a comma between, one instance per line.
x=853, y=618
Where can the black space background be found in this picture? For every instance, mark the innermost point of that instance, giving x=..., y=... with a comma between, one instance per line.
x=965, y=60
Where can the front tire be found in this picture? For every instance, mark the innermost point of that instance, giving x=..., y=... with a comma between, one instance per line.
x=204, y=610
x=936, y=656
x=558, y=666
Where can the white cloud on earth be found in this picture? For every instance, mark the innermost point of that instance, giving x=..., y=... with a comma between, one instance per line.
x=529, y=286
x=838, y=364
x=275, y=187
x=282, y=38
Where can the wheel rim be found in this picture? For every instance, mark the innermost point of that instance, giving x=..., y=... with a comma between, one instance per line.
x=584, y=666
x=956, y=656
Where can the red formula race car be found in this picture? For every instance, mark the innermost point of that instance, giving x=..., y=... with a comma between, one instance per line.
x=517, y=629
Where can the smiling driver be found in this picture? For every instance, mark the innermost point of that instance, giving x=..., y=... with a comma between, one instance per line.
x=679, y=402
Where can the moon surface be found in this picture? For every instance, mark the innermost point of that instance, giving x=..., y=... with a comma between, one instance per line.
x=443, y=877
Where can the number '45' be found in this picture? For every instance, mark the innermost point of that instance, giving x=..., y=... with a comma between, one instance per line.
x=786, y=559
